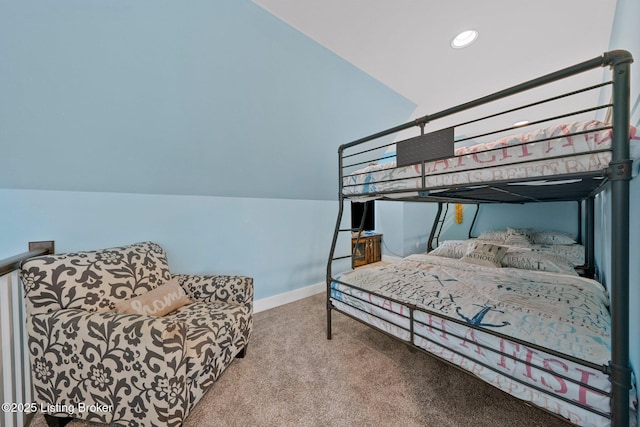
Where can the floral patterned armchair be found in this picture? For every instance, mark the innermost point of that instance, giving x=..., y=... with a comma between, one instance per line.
x=93, y=363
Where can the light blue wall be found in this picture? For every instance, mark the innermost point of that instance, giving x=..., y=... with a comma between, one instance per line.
x=282, y=243
x=211, y=127
x=390, y=222
x=406, y=226
x=559, y=216
x=165, y=97
x=418, y=219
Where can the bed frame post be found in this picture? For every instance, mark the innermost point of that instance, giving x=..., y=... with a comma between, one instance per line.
x=579, y=239
x=433, y=228
x=619, y=173
x=590, y=244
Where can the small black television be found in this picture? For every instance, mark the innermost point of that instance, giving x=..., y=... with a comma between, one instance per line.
x=357, y=210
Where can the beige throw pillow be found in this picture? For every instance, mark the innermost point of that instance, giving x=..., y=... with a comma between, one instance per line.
x=485, y=254
x=158, y=302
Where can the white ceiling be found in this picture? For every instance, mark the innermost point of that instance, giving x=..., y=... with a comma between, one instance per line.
x=405, y=44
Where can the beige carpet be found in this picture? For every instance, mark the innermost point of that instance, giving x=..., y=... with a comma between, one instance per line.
x=294, y=376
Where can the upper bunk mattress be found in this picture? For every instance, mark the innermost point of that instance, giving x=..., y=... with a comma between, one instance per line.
x=572, y=148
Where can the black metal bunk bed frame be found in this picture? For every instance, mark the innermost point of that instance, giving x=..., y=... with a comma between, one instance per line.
x=618, y=174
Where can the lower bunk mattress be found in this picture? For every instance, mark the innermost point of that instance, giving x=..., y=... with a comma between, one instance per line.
x=541, y=337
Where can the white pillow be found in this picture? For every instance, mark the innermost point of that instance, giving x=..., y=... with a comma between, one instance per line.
x=451, y=249
x=540, y=261
x=552, y=238
x=493, y=235
x=574, y=253
x=486, y=254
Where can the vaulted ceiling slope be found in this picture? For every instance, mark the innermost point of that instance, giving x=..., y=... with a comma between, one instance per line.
x=405, y=44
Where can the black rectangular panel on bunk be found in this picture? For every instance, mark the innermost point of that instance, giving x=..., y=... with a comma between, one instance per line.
x=428, y=147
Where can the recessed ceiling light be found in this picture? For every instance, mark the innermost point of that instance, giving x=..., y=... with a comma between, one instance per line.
x=464, y=39
x=521, y=123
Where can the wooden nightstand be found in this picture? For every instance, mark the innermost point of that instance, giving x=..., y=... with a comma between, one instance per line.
x=368, y=250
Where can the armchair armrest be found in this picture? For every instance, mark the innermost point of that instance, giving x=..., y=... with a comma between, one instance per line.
x=210, y=288
x=108, y=367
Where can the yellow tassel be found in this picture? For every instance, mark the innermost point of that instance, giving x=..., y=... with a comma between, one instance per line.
x=458, y=213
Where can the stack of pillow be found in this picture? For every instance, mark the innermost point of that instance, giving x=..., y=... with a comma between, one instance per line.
x=511, y=248
x=527, y=237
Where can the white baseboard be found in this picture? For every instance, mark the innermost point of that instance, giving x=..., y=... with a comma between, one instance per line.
x=284, y=298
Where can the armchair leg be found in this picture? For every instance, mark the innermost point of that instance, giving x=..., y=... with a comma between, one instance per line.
x=242, y=352
x=57, y=421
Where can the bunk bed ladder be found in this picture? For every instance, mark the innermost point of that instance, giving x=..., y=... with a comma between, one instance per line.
x=473, y=221
x=337, y=231
x=332, y=256
x=350, y=230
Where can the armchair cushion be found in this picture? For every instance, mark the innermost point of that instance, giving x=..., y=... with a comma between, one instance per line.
x=216, y=332
x=220, y=325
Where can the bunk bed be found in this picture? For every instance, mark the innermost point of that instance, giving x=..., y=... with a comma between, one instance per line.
x=554, y=339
